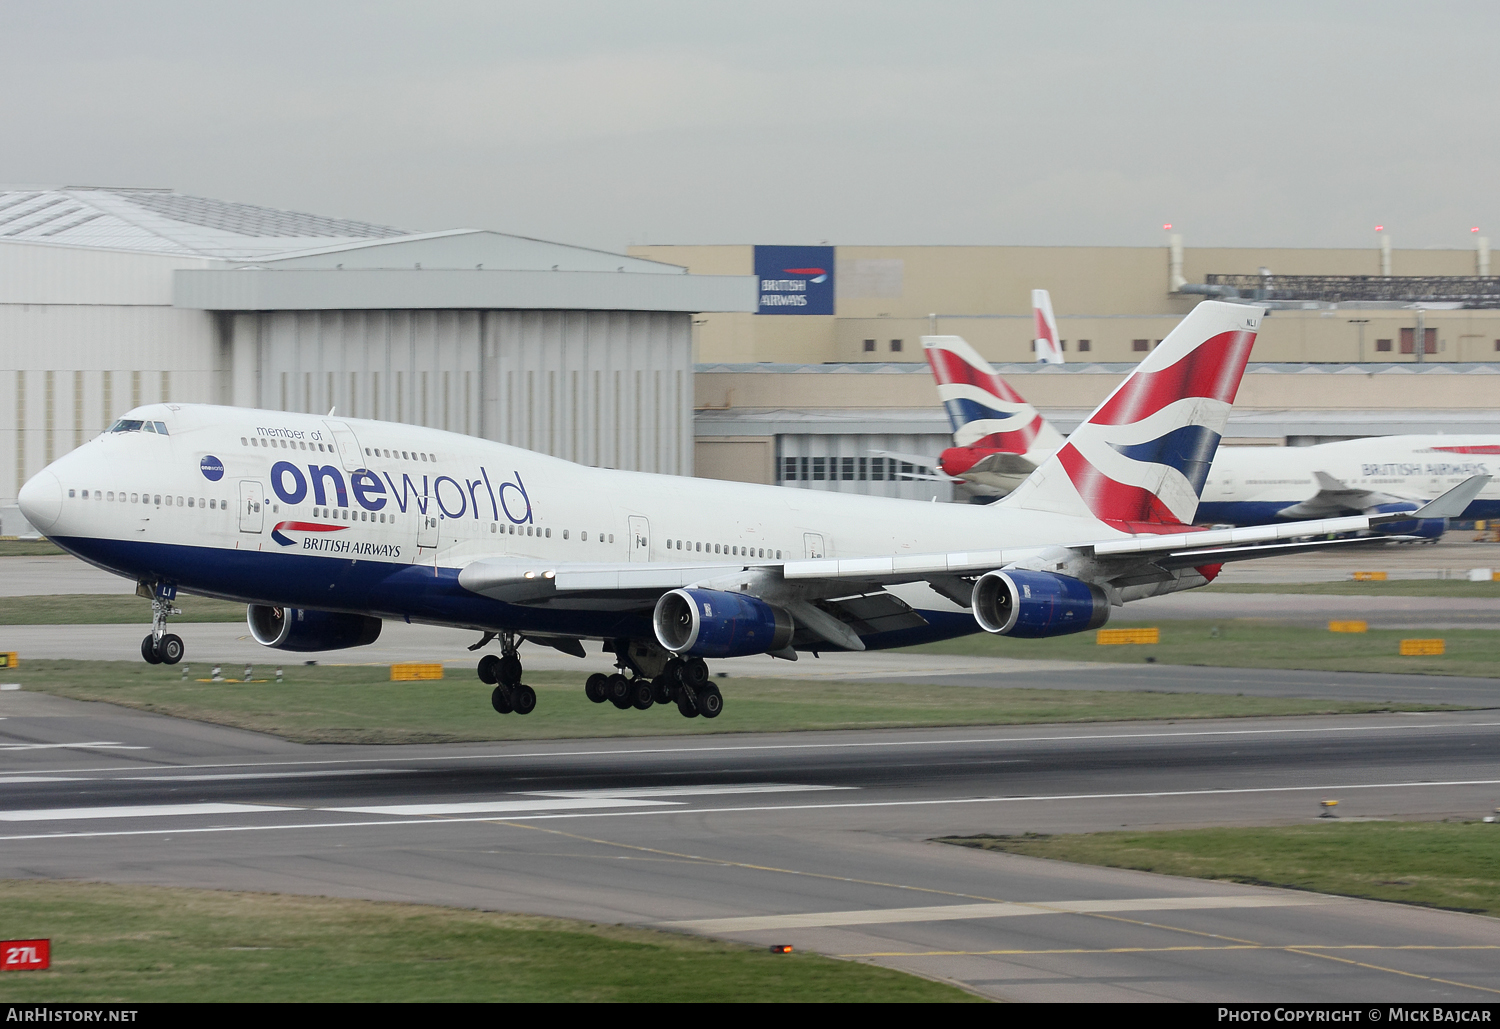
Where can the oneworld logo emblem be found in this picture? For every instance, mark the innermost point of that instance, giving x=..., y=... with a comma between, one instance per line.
x=212, y=468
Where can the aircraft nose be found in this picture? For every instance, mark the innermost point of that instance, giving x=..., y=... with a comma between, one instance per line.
x=40, y=501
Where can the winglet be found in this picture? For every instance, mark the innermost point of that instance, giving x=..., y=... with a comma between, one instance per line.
x=1450, y=505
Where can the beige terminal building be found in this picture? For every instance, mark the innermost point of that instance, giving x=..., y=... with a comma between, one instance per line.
x=1337, y=358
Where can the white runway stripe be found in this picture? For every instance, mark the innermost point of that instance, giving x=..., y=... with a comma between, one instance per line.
x=496, y=807
x=957, y=912
x=41, y=778
x=60, y=814
x=103, y=745
x=685, y=791
x=236, y=776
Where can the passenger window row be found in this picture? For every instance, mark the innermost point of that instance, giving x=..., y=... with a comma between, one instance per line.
x=211, y=504
x=724, y=549
x=402, y=454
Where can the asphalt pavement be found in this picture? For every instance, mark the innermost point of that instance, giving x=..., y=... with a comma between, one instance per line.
x=820, y=840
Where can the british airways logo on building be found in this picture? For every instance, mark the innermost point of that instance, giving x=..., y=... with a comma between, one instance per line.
x=794, y=280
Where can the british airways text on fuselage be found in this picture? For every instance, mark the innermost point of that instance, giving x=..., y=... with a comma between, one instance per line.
x=1412, y=468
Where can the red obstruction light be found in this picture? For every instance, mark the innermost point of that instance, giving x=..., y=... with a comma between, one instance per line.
x=1380, y=228
x=1168, y=226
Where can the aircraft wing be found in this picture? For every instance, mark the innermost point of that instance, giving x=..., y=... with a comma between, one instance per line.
x=837, y=599
x=1335, y=496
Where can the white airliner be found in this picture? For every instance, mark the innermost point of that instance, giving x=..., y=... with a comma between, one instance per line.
x=327, y=526
x=999, y=439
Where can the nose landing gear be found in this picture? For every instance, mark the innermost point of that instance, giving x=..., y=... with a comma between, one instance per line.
x=161, y=647
x=510, y=694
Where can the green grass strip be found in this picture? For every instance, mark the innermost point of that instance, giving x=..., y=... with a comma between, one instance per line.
x=29, y=548
x=358, y=703
x=1255, y=643
x=156, y=944
x=109, y=609
x=1454, y=865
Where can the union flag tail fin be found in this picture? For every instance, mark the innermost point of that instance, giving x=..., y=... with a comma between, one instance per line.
x=1143, y=456
x=982, y=408
x=1048, y=347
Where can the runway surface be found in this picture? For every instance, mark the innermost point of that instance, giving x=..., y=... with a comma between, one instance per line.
x=813, y=839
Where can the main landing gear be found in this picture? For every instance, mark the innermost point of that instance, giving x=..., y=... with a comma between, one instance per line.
x=161, y=647
x=511, y=694
x=685, y=683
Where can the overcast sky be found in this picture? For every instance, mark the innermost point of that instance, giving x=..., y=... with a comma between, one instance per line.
x=1264, y=123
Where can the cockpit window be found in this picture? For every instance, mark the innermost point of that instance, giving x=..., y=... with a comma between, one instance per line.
x=161, y=428
x=126, y=425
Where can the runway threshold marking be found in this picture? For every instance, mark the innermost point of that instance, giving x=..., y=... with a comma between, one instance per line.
x=965, y=912
x=842, y=745
x=135, y=811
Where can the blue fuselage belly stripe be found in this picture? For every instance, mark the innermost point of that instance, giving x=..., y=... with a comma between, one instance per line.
x=422, y=593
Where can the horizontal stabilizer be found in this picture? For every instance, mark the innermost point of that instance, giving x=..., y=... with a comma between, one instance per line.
x=1450, y=505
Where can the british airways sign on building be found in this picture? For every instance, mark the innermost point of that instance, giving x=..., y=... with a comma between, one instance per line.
x=795, y=280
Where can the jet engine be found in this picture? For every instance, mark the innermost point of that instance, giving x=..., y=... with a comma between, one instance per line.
x=713, y=623
x=1037, y=604
x=1427, y=528
x=295, y=628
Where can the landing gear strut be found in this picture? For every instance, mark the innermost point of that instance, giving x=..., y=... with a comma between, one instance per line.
x=511, y=694
x=161, y=647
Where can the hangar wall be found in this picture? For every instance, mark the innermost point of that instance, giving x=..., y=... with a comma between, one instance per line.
x=608, y=388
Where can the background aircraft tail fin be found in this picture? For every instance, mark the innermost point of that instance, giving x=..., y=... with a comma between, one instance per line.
x=982, y=408
x=1048, y=346
x=1143, y=456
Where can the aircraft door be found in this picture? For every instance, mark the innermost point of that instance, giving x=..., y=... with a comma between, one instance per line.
x=812, y=543
x=640, y=538
x=347, y=444
x=252, y=504
x=427, y=530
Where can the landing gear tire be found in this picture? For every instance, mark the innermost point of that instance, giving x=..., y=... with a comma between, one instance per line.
x=619, y=692
x=694, y=673
x=169, y=649
x=502, y=703
x=661, y=689
x=489, y=667
x=523, y=699
x=597, y=688
x=508, y=670
x=710, y=702
x=148, y=651
x=641, y=694
x=685, y=707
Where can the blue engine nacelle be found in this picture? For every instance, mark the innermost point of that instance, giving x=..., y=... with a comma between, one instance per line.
x=1427, y=528
x=1037, y=604
x=295, y=628
x=713, y=623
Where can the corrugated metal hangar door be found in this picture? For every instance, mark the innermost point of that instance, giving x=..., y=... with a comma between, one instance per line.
x=608, y=388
